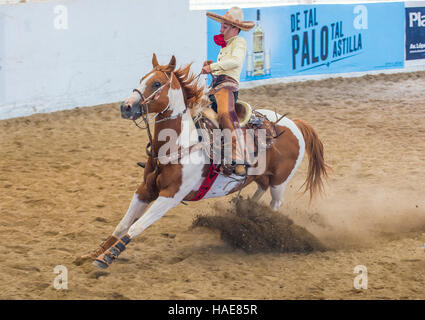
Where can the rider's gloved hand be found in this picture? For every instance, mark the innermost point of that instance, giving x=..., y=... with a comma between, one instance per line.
x=206, y=69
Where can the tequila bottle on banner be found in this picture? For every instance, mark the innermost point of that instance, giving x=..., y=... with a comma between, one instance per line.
x=249, y=65
x=267, y=64
x=258, y=48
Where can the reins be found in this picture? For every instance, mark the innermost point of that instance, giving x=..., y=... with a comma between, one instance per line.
x=145, y=112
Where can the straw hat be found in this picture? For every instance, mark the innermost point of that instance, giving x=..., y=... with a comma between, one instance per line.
x=234, y=17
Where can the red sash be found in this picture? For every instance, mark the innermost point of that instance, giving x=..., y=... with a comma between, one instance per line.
x=207, y=183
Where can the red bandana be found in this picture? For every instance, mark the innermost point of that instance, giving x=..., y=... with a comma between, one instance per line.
x=219, y=40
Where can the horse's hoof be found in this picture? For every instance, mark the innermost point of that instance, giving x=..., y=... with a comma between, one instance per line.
x=100, y=264
x=81, y=260
x=88, y=256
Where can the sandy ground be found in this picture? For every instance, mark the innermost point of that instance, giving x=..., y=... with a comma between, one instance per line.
x=66, y=179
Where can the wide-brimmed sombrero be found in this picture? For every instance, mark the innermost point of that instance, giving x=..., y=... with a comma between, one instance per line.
x=234, y=17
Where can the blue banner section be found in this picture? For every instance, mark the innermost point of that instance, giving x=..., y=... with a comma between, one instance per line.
x=415, y=33
x=319, y=39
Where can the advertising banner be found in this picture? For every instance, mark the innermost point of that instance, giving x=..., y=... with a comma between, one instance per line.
x=415, y=30
x=318, y=39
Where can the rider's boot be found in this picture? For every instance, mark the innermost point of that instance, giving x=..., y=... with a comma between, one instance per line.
x=240, y=170
x=229, y=120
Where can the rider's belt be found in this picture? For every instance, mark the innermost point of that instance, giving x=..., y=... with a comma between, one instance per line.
x=224, y=81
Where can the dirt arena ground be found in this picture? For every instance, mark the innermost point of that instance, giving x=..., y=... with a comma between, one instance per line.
x=66, y=179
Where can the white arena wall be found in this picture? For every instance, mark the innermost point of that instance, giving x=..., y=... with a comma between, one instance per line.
x=62, y=54
x=57, y=54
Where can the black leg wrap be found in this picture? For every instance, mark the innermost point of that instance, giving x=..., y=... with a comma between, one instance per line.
x=119, y=246
x=108, y=259
x=115, y=252
x=125, y=239
x=103, y=261
x=100, y=264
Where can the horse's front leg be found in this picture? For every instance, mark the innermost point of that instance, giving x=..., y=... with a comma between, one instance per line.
x=137, y=207
x=156, y=211
x=143, y=196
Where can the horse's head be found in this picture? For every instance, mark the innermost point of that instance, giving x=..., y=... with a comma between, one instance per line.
x=151, y=96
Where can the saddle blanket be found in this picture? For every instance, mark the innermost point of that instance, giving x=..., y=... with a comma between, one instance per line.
x=216, y=184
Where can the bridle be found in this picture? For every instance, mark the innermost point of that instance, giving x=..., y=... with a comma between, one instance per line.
x=144, y=110
x=144, y=103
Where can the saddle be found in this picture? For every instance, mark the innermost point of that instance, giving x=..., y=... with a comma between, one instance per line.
x=207, y=119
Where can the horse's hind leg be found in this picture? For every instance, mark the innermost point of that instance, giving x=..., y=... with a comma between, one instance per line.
x=262, y=185
x=258, y=193
x=277, y=195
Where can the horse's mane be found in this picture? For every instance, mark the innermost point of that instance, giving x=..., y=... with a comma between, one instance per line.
x=193, y=91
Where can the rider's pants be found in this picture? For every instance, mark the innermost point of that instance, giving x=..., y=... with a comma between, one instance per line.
x=229, y=120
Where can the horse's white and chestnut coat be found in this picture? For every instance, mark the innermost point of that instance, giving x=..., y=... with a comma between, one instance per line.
x=164, y=187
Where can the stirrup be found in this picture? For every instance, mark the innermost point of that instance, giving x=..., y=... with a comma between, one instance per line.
x=104, y=260
x=242, y=174
x=229, y=169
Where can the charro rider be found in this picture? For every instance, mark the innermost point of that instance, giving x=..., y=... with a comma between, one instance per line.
x=226, y=74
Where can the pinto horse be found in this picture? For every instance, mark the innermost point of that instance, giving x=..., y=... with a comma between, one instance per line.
x=168, y=93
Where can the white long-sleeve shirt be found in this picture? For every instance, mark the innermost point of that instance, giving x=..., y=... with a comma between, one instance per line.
x=230, y=59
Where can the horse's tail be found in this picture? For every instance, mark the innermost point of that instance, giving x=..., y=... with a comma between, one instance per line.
x=317, y=168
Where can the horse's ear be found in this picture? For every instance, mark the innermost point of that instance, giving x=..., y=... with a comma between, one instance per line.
x=154, y=61
x=172, y=64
